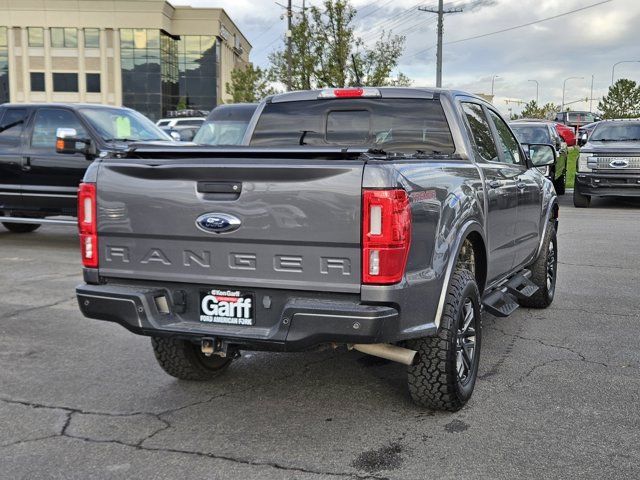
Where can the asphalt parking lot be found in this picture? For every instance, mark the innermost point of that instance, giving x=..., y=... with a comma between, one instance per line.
x=558, y=394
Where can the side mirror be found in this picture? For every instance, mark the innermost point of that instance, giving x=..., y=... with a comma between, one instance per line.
x=583, y=139
x=175, y=135
x=67, y=142
x=542, y=154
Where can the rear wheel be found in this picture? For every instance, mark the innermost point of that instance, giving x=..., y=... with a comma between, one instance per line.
x=544, y=272
x=445, y=372
x=184, y=360
x=579, y=200
x=560, y=184
x=21, y=227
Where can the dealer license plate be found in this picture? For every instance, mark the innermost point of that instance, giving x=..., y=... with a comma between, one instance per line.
x=230, y=307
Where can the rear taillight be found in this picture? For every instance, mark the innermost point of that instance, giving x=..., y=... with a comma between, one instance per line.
x=87, y=224
x=386, y=235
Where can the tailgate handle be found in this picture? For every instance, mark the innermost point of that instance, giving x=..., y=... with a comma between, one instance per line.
x=220, y=187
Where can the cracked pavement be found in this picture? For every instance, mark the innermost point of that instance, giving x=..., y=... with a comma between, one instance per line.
x=558, y=393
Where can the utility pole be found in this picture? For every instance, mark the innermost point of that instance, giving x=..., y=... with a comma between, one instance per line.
x=289, y=35
x=441, y=13
x=591, y=96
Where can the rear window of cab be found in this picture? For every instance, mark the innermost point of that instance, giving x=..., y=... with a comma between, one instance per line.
x=392, y=125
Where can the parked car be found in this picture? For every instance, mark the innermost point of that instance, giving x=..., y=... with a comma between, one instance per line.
x=576, y=119
x=609, y=162
x=375, y=219
x=568, y=134
x=180, y=122
x=226, y=124
x=36, y=182
x=588, y=129
x=181, y=133
x=545, y=132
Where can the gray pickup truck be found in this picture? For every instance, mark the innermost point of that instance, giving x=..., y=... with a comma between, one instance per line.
x=609, y=162
x=382, y=220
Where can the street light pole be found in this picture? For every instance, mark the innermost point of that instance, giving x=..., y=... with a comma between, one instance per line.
x=613, y=69
x=537, y=90
x=564, y=86
x=591, y=96
x=493, y=80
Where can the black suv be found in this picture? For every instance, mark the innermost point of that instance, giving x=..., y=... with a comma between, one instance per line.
x=609, y=163
x=37, y=182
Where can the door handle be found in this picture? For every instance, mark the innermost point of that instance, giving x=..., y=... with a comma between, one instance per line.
x=494, y=184
x=26, y=163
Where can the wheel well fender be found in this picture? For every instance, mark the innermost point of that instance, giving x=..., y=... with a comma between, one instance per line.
x=471, y=230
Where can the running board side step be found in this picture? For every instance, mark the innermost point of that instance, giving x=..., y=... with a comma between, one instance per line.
x=521, y=287
x=504, y=300
x=500, y=304
x=43, y=221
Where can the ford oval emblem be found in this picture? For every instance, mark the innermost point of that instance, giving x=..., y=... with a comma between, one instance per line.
x=217, y=222
x=619, y=163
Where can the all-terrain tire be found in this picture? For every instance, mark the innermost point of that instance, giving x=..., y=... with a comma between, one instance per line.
x=184, y=360
x=434, y=380
x=21, y=227
x=544, y=271
x=560, y=184
x=579, y=200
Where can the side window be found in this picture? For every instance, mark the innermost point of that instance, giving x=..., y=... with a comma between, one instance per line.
x=481, y=131
x=47, y=122
x=12, y=125
x=506, y=141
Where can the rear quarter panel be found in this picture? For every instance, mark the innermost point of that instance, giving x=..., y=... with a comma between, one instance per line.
x=446, y=197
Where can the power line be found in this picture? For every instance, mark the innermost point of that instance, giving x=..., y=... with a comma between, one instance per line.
x=376, y=9
x=527, y=24
x=510, y=28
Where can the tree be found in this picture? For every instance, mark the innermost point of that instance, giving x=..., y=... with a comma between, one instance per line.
x=326, y=52
x=622, y=100
x=249, y=84
x=532, y=110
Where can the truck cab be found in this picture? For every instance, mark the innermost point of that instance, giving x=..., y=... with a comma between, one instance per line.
x=36, y=181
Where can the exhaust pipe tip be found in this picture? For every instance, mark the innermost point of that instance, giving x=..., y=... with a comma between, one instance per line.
x=394, y=353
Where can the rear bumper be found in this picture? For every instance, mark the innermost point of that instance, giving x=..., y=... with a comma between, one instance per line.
x=602, y=184
x=285, y=321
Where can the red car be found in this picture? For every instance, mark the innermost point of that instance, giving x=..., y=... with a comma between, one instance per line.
x=568, y=134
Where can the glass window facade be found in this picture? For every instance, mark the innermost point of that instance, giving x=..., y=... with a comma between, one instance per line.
x=64, y=38
x=199, y=67
x=4, y=66
x=92, y=38
x=36, y=36
x=161, y=72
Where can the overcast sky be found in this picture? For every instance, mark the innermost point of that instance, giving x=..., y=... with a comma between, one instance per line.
x=581, y=44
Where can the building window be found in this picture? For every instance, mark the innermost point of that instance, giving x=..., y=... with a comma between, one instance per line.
x=4, y=66
x=92, y=38
x=36, y=36
x=93, y=83
x=64, y=38
x=65, y=82
x=37, y=82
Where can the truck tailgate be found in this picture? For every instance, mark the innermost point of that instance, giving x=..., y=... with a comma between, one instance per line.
x=300, y=222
